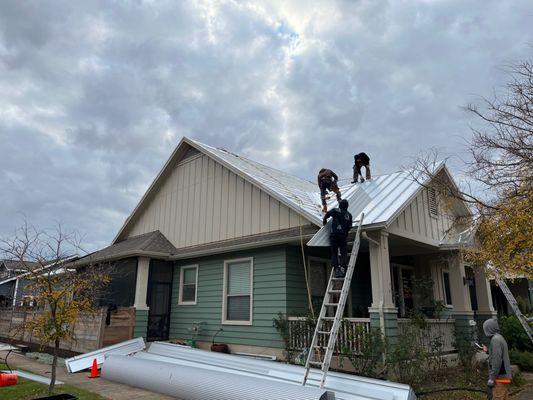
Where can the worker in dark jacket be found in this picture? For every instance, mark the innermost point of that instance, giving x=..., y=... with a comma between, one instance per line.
x=327, y=180
x=359, y=161
x=340, y=227
x=499, y=364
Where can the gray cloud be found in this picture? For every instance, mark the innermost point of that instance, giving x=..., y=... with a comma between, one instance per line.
x=95, y=95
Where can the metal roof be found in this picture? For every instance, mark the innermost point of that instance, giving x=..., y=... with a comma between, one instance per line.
x=345, y=386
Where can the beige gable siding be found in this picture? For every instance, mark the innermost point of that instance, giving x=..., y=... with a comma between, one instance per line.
x=201, y=201
x=416, y=223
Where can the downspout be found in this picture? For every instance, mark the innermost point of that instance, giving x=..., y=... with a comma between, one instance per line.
x=381, y=314
x=15, y=292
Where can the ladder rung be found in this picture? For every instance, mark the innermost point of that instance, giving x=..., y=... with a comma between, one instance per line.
x=324, y=332
x=317, y=363
x=335, y=291
x=328, y=318
x=331, y=304
x=337, y=279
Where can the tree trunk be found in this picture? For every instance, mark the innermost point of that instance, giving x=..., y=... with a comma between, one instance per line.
x=54, y=368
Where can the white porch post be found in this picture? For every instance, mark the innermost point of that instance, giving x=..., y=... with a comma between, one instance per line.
x=484, y=294
x=383, y=313
x=141, y=290
x=141, y=284
x=462, y=308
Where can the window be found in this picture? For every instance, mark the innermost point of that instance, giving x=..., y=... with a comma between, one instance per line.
x=446, y=288
x=188, y=285
x=238, y=290
x=432, y=202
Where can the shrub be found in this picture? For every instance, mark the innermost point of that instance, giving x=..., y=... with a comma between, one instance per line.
x=514, y=333
x=524, y=359
x=369, y=360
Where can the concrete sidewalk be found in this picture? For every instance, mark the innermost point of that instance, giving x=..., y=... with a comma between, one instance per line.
x=110, y=390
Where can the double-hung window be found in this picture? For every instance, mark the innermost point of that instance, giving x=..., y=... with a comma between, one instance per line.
x=188, y=285
x=446, y=287
x=238, y=292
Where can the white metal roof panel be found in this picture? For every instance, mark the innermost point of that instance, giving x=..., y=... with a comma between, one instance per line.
x=345, y=386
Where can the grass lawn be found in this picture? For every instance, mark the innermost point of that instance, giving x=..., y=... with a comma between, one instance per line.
x=27, y=390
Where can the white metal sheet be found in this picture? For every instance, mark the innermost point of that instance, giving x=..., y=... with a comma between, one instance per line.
x=345, y=386
x=198, y=383
x=84, y=361
x=33, y=377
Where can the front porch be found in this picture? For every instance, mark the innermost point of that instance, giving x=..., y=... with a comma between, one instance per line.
x=396, y=279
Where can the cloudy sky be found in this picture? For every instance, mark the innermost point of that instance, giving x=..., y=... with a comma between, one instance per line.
x=94, y=95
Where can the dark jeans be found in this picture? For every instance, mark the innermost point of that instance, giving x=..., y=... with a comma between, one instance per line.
x=338, y=244
x=326, y=185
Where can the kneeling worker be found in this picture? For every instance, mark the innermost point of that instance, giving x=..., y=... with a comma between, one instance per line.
x=359, y=161
x=340, y=226
x=327, y=180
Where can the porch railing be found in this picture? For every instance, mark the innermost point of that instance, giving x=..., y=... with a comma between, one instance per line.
x=351, y=334
x=436, y=334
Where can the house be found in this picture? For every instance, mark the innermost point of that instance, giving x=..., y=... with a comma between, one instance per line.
x=10, y=270
x=217, y=244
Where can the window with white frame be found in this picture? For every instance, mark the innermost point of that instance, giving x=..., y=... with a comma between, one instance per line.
x=188, y=285
x=446, y=287
x=238, y=292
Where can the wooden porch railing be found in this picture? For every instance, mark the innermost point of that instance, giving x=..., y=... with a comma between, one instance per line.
x=351, y=334
x=437, y=333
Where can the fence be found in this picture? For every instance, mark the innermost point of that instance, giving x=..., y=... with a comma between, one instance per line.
x=351, y=334
x=90, y=332
x=435, y=331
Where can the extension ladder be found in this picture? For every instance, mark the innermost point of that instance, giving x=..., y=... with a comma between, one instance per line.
x=512, y=301
x=329, y=302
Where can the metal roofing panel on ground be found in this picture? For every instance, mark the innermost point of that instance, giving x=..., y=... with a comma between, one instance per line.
x=33, y=377
x=198, y=383
x=84, y=361
x=345, y=386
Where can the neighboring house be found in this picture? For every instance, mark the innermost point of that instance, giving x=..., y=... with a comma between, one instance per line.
x=9, y=272
x=216, y=243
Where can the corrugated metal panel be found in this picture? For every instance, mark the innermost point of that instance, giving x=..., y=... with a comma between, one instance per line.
x=345, y=386
x=84, y=361
x=199, y=383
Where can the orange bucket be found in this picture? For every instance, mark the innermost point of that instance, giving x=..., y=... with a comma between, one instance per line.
x=8, y=379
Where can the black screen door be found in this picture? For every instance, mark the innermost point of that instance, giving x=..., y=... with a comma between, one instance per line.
x=159, y=297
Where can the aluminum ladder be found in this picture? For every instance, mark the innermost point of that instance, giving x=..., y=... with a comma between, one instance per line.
x=329, y=302
x=512, y=301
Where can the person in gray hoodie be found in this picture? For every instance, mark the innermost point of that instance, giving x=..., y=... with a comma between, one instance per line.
x=499, y=364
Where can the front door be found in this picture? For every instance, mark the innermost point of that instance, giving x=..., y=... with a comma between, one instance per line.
x=159, y=296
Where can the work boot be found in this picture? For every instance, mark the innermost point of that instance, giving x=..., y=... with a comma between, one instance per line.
x=324, y=209
x=338, y=272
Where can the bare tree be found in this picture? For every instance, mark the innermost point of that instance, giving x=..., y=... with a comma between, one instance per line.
x=501, y=174
x=63, y=292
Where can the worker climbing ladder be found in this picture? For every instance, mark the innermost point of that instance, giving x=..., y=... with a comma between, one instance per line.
x=332, y=292
x=512, y=301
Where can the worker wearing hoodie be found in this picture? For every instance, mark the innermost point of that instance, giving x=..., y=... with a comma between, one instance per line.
x=341, y=224
x=499, y=364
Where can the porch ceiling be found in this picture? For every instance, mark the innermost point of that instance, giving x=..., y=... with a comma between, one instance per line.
x=402, y=246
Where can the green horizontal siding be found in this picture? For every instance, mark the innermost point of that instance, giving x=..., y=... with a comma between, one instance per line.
x=269, y=298
x=141, y=323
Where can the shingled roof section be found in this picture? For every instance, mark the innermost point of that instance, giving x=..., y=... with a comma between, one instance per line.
x=153, y=244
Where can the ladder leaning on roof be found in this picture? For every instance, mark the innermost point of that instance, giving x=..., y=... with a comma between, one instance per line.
x=329, y=302
x=512, y=301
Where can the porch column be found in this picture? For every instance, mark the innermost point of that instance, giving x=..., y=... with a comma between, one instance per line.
x=462, y=309
x=484, y=299
x=383, y=313
x=141, y=290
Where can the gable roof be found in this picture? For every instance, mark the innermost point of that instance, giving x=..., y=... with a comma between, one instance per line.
x=380, y=199
x=151, y=243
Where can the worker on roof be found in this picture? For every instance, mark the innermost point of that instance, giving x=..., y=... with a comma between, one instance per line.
x=327, y=180
x=359, y=161
x=499, y=364
x=340, y=227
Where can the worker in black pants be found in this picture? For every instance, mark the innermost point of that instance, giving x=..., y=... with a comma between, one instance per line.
x=359, y=161
x=327, y=180
x=340, y=227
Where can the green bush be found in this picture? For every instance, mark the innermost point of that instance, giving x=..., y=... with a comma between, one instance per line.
x=514, y=333
x=524, y=359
